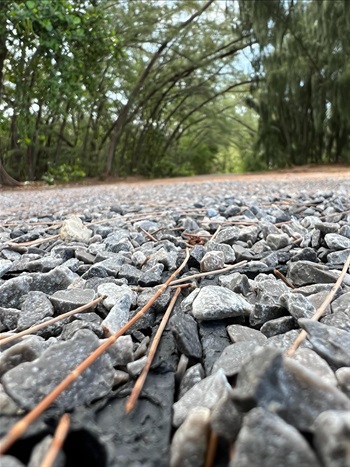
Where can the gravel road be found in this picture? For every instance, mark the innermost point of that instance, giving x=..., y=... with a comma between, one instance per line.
x=258, y=257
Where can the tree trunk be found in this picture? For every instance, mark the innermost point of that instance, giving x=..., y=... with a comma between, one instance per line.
x=6, y=179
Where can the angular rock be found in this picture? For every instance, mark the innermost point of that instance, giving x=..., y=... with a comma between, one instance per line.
x=5, y=266
x=35, y=308
x=40, y=451
x=8, y=318
x=233, y=357
x=338, y=320
x=214, y=340
x=331, y=343
x=189, y=443
x=228, y=252
x=266, y=440
x=121, y=352
x=114, y=293
x=338, y=257
x=285, y=340
x=214, y=302
x=225, y=419
x=129, y=272
x=343, y=378
x=212, y=261
x=236, y=282
x=286, y=388
x=312, y=361
x=73, y=230
x=10, y=461
x=267, y=307
x=151, y=276
x=192, y=376
x=134, y=368
x=118, y=315
x=331, y=438
x=185, y=331
x=335, y=241
x=67, y=300
x=206, y=393
x=342, y=303
x=302, y=273
x=278, y=326
x=239, y=333
x=297, y=305
x=53, y=366
x=277, y=241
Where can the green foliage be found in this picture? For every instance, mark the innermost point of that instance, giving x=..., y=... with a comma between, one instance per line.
x=63, y=173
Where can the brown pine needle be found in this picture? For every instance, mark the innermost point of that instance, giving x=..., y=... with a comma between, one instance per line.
x=211, y=451
x=20, y=427
x=283, y=278
x=320, y=311
x=209, y=273
x=33, y=242
x=57, y=441
x=149, y=235
x=135, y=393
x=33, y=329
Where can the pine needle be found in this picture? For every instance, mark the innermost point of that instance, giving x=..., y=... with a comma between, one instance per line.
x=57, y=441
x=135, y=393
x=211, y=451
x=283, y=278
x=34, y=329
x=20, y=427
x=209, y=273
x=320, y=311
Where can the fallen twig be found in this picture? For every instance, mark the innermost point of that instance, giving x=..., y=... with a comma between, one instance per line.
x=20, y=427
x=320, y=311
x=33, y=242
x=209, y=273
x=211, y=451
x=283, y=278
x=33, y=329
x=57, y=441
x=135, y=393
x=149, y=235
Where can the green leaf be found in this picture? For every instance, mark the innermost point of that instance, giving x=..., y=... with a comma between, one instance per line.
x=75, y=19
x=30, y=4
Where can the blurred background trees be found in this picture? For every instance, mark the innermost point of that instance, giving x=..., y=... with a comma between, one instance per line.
x=166, y=88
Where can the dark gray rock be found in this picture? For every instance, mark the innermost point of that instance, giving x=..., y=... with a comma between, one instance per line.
x=336, y=258
x=214, y=302
x=73, y=327
x=58, y=279
x=305, y=254
x=228, y=252
x=267, y=307
x=331, y=343
x=236, y=282
x=233, y=357
x=239, y=333
x=185, y=331
x=331, y=438
x=39, y=452
x=228, y=235
x=129, y=272
x=151, y=420
x=286, y=388
x=160, y=304
x=135, y=368
x=278, y=326
x=327, y=227
x=53, y=366
x=5, y=266
x=196, y=255
x=192, y=376
x=12, y=291
x=67, y=300
x=266, y=440
x=305, y=272
x=297, y=305
x=151, y=276
x=342, y=304
x=166, y=357
x=189, y=443
x=35, y=307
x=121, y=352
x=335, y=241
x=206, y=393
x=285, y=340
x=214, y=340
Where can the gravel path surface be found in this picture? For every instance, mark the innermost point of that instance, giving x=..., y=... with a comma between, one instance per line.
x=264, y=255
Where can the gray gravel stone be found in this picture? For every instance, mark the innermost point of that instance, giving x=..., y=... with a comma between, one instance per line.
x=151, y=276
x=185, y=331
x=114, y=293
x=67, y=300
x=277, y=241
x=53, y=366
x=206, y=393
x=343, y=378
x=266, y=440
x=236, y=282
x=73, y=230
x=35, y=308
x=342, y=303
x=5, y=266
x=267, y=307
x=215, y=302
x=304, y=273
x=297, y=305
x=278, y=326
x=334, y=450
x=331, y=343
x=225, y=419
x=233, y=357
x=239, y=333
x=189, y=443
x=311, y=360
x=212, y=261
x=337, y=242
x=286, y=388
x=192, y=376
x=39, y=452
x=118, y=315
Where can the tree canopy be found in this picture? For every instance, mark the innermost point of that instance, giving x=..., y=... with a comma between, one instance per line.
x=164, y=88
